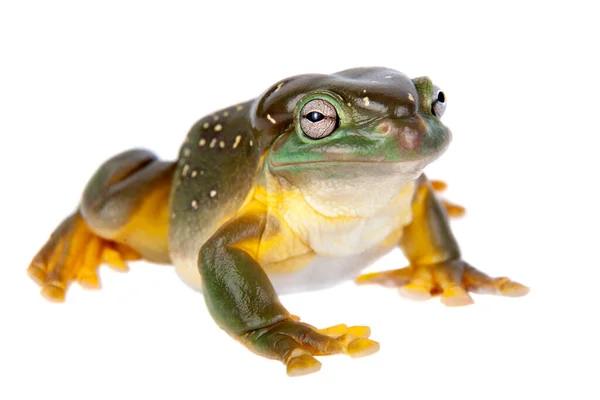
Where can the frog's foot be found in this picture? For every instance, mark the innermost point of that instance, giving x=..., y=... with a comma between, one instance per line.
x=453, y=280
x=453, y=210
x=73, y=253
x=296, y=343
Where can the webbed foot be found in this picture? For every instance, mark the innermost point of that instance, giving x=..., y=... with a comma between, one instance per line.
x=296, y=344
x=453, y=280
x=74, y=253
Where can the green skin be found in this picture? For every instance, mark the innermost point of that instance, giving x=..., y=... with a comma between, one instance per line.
x=392, y=132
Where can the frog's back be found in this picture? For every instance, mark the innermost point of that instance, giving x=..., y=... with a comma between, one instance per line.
x=214, y=177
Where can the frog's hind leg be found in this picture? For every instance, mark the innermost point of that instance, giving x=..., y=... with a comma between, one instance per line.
x=123, y=216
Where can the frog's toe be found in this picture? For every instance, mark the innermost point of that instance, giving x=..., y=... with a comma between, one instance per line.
x=54, y=291
x=513, y=289
x=456, y=296
x=478, y=282
x=438, y=185
x=296, y=344
x=74, y=253
x=453, y=210
x=36, y=273
x=452, y=280
x=301, y=363
x=392, y=278
x=414, y=283
x=362, y=347
x=416, y=291
x=343, y=329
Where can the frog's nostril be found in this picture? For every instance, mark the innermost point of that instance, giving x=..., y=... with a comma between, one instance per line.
x=384, y=128
x=409, y=138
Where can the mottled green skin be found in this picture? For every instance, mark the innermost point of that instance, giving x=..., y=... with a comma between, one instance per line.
x=226, y=171
x=203, y=229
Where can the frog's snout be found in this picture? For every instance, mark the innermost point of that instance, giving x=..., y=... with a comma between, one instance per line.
x=408, y=137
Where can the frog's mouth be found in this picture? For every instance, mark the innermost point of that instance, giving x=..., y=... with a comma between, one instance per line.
x=360, y=150
x=380, y=163
x=349, y=170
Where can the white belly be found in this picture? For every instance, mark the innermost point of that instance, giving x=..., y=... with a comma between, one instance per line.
x=320, y=273
x=326, y=271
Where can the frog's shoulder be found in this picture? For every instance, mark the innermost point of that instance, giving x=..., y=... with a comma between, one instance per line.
x=215, y=175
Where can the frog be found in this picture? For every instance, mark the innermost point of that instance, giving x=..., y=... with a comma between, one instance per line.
x=302, y=187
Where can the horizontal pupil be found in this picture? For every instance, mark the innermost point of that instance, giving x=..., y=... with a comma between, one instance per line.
x=314, y=116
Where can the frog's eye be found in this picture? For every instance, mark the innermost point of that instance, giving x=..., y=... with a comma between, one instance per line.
x=318, y=119
x=438, y=106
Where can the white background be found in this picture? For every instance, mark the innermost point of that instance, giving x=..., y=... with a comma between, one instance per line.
x=81, y=82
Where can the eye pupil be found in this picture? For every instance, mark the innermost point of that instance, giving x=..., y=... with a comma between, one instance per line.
x=441, y=97
x=314, y=116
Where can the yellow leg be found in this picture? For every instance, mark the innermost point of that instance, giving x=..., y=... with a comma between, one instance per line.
x=123, y=216
x=436, y=266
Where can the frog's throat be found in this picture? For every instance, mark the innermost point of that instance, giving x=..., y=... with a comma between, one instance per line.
x=346, y=189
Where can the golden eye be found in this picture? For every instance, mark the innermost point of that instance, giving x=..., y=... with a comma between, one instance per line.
x=318, y=119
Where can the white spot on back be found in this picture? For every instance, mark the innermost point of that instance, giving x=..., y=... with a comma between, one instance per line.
x=410, y=97
x=218, y=127
x=366, y=100
x=213, y=193
x=238, y=138
x=202, y=142
x=213, y=143
x=271, y=119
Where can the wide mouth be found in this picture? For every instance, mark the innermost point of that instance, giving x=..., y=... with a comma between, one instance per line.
x=422, y=160
x=370, y=167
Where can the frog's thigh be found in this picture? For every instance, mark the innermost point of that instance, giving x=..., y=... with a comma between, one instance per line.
x=126, y=201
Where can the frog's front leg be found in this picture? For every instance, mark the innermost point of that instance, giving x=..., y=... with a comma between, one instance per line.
x=436, y=266
x=243, y=302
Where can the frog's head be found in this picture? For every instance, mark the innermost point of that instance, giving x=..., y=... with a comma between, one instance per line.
x=369, y=127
